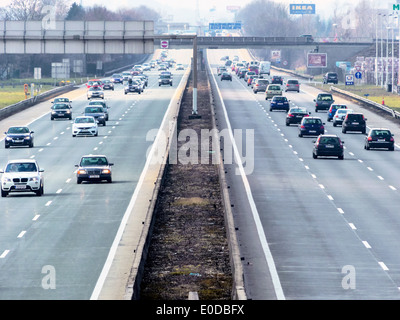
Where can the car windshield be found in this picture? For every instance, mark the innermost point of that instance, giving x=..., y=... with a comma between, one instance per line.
x=94, y=161
x=21, y=167
x=325, y=97
x=312, y=121
x=84, y=120
x=280, y=99
x=381, y=133
x=95, y=89
x=94, y=110
x=164, y=76
x=329, y=140
x=101, y=103
x=61, y=100
x=18, y=130
x=60, y=106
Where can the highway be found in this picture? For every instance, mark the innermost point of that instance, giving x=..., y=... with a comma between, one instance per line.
x=55, y=246
x=310, y=228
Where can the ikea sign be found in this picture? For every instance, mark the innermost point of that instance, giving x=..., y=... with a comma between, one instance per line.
x=302, y=8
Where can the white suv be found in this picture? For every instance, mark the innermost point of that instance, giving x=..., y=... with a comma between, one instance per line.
x=22, y=175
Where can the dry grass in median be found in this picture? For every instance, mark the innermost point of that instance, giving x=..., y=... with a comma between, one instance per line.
x=10, y=95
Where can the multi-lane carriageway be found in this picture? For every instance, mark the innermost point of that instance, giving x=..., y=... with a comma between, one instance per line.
x=307, y=228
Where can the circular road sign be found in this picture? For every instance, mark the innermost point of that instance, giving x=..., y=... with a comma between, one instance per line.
x=164, y=44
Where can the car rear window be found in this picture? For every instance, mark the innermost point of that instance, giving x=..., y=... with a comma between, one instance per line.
x=280, y=99
x=381, y=133
x=352, y=116
x=325, y=97
x=312, y=121
x=274, y=88
x=293, y=82
x=263, y=81
x=329, y=140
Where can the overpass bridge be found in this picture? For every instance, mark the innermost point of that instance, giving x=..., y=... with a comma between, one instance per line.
x=133, y=37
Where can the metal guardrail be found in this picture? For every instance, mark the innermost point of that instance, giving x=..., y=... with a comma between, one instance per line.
x=393, y=113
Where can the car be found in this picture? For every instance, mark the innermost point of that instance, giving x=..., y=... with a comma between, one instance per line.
x=332, y=110
x=328, y=145
x=292, y=85
x=330, y=77
x=307, y=37
x=242, y=72
x=101, y=103
x=133, y=86
x=248, y=74
x=253, y=67
x=312, y=126
x=260, y=84
x=323, y=101
x=295, y=115
x=108, y=85
x=146, y=67
x=354, y=122
x=85, y=126
x=144, y=79
x=22, y=175
x=117, y=78
x=228, y=63
x=250, y=79
x=18, y=136
x=95, y=92
x=179, y=66
x=61, y=110
x=226, y=76
x=162, y=67
x=279, y=103
x=126, y=75
x=165, y=79
x=339, y=116
x=93, y=168
x=379, y=138
x=273, y=90
x=221, y=69
x=96, y=112
x=62, y=100
x=277, y=80
x=93, y=82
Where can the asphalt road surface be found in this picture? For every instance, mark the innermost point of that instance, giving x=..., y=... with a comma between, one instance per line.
x=310, y=228
x=55, y=246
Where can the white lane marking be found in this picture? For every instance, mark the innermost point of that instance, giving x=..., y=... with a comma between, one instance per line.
x=383, y=266
x=32, y=156
x=59, y=191
x=5, y=252
x=36, y=217
x=366, y=244
x=21, y=234
x=48, y=144
x=314, y=176
x=321, y=186
x=48, y=203
x=68, y=180
x=340, y=210
x=380, y=178
x=330, y=197
x=393, y=188
x=370, y=169
x=40, y=150
x=352, y=226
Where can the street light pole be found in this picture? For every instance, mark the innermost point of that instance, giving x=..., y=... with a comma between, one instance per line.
x=382, y=53
x=376, y=49
x=194, y=111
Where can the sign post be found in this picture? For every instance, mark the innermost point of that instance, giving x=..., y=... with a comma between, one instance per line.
x=164, y=44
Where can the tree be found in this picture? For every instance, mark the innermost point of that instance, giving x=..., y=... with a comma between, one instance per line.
x=76, y=12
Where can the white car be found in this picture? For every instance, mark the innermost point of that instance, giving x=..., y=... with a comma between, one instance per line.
x=85, y=126
x=22, y=175
x=95, y=92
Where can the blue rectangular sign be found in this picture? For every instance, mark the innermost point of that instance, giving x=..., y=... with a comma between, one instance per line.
x=225, y=26
x=302, y=8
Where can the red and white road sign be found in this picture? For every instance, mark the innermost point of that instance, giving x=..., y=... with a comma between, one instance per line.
x=164, y=44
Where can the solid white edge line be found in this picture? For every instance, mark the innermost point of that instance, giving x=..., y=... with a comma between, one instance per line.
x=261, y=234
x=111, y=254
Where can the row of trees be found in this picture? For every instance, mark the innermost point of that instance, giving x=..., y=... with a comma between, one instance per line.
x=268, y=18
x=37, y=9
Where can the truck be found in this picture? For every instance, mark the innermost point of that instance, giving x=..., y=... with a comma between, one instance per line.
x=265, y=67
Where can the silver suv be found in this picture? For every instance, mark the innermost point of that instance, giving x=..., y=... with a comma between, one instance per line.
x=260, y=84
x=22, y=176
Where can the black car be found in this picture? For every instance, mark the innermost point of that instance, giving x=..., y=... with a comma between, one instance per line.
x=108, y=85
x=226, y=76
x=61, y=110
x=354, y=122
x=133, y=86
x=93, y=168
x=328, y=145
x=331, y=77
x=18, y=136
x=323, y=101
x=312, y=126
x=379, y=138
x=242, y=72
x=277, y=80
x=295, y=115
x=96, y=112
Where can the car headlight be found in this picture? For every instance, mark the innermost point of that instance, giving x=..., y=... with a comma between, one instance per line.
x=34, y=179
x=27, y=138
x=8, y=138
x=4, y=180
x=106, y=171
x=81, y=171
